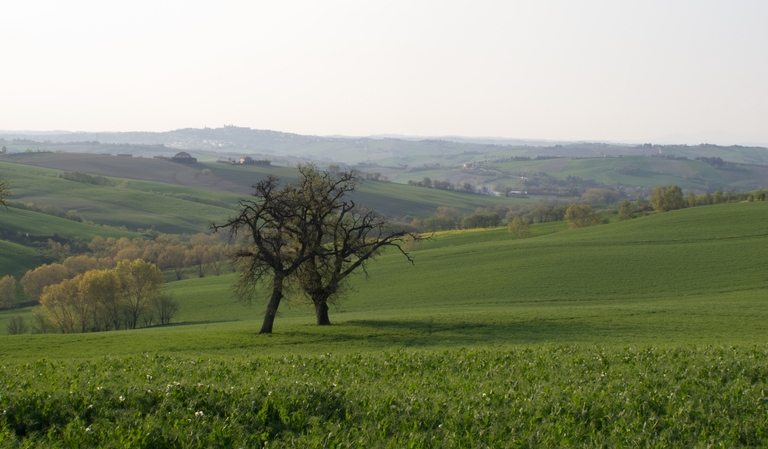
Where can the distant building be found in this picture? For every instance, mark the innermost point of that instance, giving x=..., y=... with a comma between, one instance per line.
x=246, y=160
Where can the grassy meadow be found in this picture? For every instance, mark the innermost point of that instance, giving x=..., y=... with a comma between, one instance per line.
x=643, y=333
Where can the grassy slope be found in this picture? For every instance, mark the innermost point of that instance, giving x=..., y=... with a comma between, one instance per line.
x=695, y=276
x=387, y=197
x=39, y=224
x=16, y=259
x=651, y=172
x=139, y=207
x=142, y=204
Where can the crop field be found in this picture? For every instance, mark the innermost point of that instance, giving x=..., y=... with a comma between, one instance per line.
x=527, y=397
x=643, y=333
x=40, y=224
x=120, y=205
x=386, y=197
x=644, y=171
x=172, y=206
x=136, y=168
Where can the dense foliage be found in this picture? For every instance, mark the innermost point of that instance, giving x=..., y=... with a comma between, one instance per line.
x=125, y=297
x=541, y=397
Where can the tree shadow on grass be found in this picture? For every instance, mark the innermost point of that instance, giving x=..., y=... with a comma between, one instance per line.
x=431, y=333
x=193, y=323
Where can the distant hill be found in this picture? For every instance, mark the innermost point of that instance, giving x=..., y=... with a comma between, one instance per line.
x=400, y=150
x=489, y=165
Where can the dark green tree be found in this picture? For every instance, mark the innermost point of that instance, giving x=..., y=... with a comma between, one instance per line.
x=666, y=198
x=692, y=199
x=520, y=227
x=626, y=211
x=581, y=216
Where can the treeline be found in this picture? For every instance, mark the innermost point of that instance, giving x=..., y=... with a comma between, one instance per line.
x=112, y=284
x=443, y=185
x=71, y=214
x=359, y=175
x=531, y=184
x=448, y=218
x=198, y=255
x=595, y=206
x=87, y=178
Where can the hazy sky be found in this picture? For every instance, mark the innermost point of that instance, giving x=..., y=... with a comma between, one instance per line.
x=639, y=71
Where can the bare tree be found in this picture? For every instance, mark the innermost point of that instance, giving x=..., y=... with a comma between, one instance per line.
x=307, y=230
x=351, y=237
x=277, y=226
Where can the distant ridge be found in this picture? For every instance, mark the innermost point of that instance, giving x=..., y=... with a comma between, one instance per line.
x=230, y=141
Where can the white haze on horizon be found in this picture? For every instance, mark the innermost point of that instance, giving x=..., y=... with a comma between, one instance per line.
x=663, y=72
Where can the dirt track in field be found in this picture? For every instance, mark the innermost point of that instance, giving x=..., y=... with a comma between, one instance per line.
x=143, y=169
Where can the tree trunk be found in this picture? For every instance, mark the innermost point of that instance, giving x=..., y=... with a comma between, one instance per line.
x=274, y=303
x=321, y=310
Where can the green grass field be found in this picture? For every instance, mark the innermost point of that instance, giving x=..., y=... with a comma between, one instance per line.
x=649, y=332
x=16, y=259
x=683, y=276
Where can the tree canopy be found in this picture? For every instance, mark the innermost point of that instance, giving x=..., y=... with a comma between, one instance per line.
x=666, y=198
x=580, y=216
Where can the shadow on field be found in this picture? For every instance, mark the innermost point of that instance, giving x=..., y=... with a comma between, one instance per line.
x=192, y=323
x=431, y=332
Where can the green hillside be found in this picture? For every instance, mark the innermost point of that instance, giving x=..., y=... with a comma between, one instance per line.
x=16, y=259
x=38, y=224
x=129, y=203
x=142, y=201
x=626, y=172
x=387, y=197
x=671, y=278
x=644, y=333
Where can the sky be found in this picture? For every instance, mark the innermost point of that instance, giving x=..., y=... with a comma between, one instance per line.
x=624, y=71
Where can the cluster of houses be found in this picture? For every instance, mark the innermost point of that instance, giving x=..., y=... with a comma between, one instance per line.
x=247, y=160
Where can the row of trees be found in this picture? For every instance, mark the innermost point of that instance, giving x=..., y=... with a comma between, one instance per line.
x=125, y=297
x=600, y=201
x=444, y=185
x=308, y=235
x=201, y=253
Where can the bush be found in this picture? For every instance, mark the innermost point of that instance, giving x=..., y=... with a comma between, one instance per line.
x=7, y=292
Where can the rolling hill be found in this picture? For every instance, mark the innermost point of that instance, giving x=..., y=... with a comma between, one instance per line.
x=180, y=198
x=493, y=162
x=681, y=276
